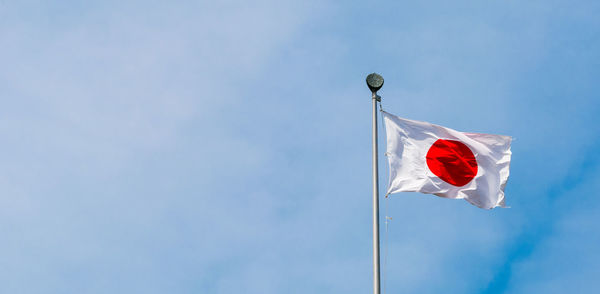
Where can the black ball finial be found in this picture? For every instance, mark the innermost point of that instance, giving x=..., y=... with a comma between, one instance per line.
x=375, y=82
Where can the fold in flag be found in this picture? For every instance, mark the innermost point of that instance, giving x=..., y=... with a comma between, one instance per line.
x=432, y=159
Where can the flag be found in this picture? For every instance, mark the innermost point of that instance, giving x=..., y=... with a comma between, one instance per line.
x=432, y=159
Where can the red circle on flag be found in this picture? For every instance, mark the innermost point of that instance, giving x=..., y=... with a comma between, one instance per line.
x=452, y=161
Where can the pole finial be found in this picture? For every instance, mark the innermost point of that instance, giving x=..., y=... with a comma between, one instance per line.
x=375, y=82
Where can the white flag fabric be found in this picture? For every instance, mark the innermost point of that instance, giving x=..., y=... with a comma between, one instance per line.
x=432, y=159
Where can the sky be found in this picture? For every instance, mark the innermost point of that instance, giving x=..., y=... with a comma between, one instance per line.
x=225, y=146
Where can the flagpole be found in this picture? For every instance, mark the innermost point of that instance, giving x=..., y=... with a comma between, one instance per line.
x=375, y=82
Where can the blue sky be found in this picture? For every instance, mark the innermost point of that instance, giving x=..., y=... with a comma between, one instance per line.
x=224, y=146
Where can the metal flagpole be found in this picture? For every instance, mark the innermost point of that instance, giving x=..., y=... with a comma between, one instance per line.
x=375, y=82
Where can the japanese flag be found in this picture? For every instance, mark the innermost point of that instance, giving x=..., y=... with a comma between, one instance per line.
x=432, y=159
